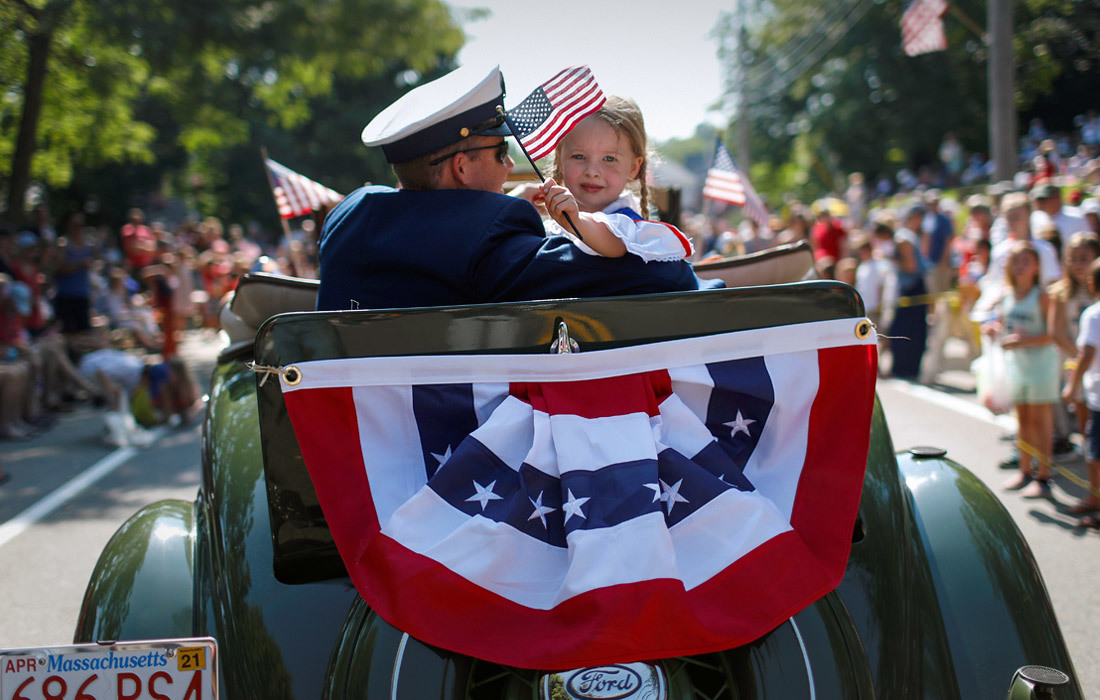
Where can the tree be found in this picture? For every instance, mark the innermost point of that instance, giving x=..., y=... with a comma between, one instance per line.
x=73, y=104
x=206, y=75
x=831, y=92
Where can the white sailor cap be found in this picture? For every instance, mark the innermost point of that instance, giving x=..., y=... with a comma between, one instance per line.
x=432, y=116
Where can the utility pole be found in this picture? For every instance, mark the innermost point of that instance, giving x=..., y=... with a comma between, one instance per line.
x=742, y=89
x=1002, y=102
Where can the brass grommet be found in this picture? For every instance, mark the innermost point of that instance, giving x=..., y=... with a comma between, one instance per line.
x=292, y=375
x=863, y=329
x=464, y=132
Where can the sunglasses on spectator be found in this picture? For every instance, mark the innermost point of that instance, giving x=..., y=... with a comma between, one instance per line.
x=501, y=154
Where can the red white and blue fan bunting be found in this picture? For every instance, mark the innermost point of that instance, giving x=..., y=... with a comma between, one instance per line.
x=558, y=511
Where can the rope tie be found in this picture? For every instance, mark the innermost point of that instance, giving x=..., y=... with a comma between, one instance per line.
x=290, y=374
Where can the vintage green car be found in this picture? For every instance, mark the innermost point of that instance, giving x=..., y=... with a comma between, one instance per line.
x=940, y=597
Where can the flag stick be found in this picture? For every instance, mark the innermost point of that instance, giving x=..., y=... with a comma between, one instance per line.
x=968, y=23
x=519, y=141
x=271, y=186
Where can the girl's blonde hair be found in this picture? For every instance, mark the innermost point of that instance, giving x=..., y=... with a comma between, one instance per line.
x=623, y=114
x=1019, y=248
x=1068, y=287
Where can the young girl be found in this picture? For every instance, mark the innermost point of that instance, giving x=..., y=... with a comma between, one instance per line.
x=1069, y=297
x=1032, y=365
x=597, y=164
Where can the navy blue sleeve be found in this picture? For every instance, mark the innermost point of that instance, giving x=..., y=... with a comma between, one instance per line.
x=515, y=265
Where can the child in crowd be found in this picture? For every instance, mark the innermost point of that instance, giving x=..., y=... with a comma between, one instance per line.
x=155, y=393
x=1032, y=366
x=1087, y=373
x=1069, y=297
x=128, y=312
x=872, y=276
x=598, y=163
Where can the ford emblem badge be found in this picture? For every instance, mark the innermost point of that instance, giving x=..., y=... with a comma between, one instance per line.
x=636, y=681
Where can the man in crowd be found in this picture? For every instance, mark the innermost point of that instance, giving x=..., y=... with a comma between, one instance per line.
x=450, y=235
x=937, y=232
x=1048, y=211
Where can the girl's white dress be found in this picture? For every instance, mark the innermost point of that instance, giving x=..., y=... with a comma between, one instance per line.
x=649, y=240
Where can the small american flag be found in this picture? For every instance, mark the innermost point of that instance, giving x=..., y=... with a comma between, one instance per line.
x=297, y=195
x=726, y=183
x=922, y=27
x=548, y=113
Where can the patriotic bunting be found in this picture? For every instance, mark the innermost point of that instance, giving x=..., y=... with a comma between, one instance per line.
x=560, y=511
x=297, y=195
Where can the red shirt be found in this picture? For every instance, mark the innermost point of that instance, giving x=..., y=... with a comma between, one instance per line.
x=826, y=238
x=139, y=245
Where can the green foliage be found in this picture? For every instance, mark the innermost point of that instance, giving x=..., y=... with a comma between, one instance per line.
x=830, y=91
x=87, y=115
x=1057, y=46
x=188, y=84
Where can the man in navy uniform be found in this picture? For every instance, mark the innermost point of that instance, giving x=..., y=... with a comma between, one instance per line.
x=451, y=236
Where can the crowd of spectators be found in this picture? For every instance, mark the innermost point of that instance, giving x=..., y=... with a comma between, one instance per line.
x=92, y=314
x=934, y=265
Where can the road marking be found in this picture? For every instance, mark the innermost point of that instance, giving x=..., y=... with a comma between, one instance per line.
x=952, y=403
x=70, y=490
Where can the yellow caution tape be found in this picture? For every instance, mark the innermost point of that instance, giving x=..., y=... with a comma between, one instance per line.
x=1064, y=471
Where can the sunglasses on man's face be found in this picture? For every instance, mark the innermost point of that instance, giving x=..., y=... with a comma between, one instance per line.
x=501, y=154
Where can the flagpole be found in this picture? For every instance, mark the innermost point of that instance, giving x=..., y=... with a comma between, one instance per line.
x=519, y=142
x=271, y=186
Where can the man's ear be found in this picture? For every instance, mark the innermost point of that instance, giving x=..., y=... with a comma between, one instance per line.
x=449, y=175
x=460, y=170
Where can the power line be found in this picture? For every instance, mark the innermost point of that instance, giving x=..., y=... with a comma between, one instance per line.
x=832, y=37
x=779, y=63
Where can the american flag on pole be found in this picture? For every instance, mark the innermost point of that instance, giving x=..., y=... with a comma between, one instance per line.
x=726, y=183
x=922, y=27
x=297, y=195
x=561, y=511
x=555, y=107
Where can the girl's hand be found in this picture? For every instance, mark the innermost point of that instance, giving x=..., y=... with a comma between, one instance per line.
x=559, y=202
x=1013, y=340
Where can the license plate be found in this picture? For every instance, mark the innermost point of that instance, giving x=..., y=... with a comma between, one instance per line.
x=161, y=669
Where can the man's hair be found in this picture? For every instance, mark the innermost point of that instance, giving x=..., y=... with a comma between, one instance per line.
x=419, y=174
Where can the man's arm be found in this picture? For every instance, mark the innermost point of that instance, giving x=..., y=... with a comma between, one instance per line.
x=517, y=263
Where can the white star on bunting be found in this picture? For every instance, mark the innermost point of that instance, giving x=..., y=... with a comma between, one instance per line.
x=442, y=459
x=484, y=494
x=740, y=425
x=671, y=495
x=572, y=506
x=540, y=510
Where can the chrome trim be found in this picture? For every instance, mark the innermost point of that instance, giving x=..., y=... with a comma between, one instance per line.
x=397, y=664
x=805, y=658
